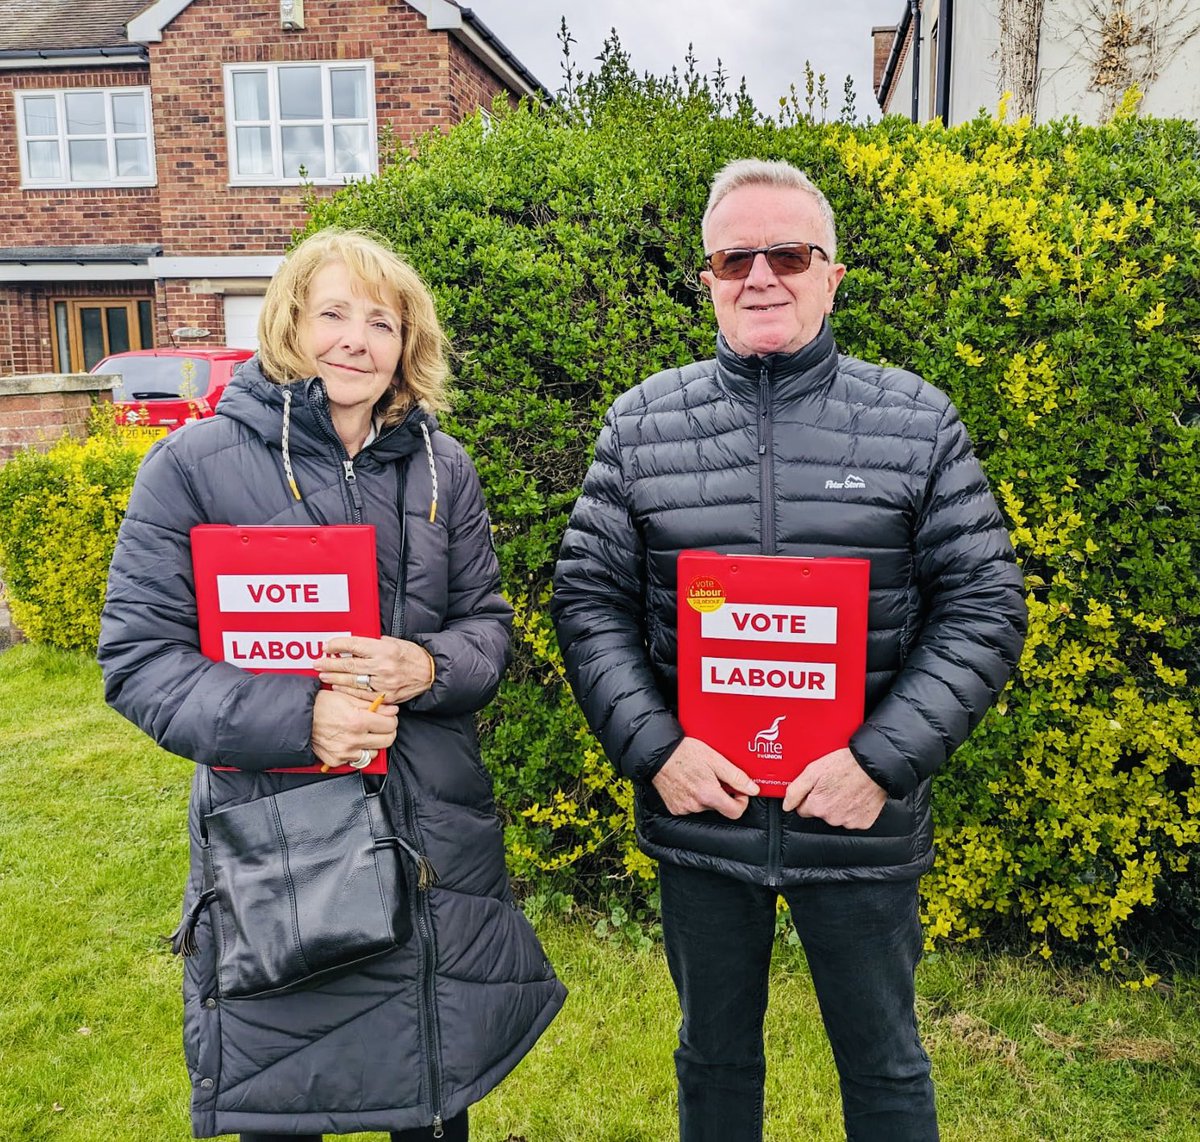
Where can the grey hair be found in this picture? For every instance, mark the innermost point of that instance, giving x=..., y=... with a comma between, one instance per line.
x=763, y=172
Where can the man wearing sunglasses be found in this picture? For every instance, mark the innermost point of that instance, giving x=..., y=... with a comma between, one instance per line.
x=781, y=446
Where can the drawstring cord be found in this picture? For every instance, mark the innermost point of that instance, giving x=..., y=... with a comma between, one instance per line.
x=432, y=471
x=287, y=457
x=183, y=939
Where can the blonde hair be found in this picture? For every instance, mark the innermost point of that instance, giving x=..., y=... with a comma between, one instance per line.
x=773, y=172
x=422, y=374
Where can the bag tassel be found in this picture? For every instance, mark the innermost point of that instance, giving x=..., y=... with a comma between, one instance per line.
x=427, y=875
x=183, y=939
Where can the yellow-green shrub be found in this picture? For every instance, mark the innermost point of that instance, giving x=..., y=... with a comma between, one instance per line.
x=59, y=515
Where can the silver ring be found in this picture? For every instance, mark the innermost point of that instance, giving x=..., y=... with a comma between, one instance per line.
x=363, y=760
x=363, y=681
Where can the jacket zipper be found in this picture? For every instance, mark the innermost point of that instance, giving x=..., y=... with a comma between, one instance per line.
x=766, y=461
x=409, y=825
x=774, y=840
x=356, y=504
x=409, y=822
x=425, y=934
x=766, y=477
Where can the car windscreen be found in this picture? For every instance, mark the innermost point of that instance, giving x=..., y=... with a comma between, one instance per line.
x=158, y=378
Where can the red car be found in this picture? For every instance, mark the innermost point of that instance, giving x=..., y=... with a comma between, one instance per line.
x=164, y=389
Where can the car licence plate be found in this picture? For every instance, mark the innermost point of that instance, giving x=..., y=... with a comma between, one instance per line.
x=142, y=431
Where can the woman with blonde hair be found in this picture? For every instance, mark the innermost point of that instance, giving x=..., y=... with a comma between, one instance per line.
x=333, y=423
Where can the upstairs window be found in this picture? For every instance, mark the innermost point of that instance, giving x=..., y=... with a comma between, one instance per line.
x=300, y=122
x=86, y=137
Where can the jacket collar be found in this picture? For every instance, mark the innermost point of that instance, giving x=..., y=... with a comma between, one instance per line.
x=790, y=375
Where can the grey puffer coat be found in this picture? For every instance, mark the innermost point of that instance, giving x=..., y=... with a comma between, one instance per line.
x=421, y=1033
x=810, y=454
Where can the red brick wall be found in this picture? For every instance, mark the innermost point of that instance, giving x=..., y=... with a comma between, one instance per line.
x=36, y=420
x=882, y=39
x=179, y=306
x=471, y=84
x=68, y=217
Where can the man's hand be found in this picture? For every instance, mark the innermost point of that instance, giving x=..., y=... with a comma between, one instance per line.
x=696, y=777
x=838, y=790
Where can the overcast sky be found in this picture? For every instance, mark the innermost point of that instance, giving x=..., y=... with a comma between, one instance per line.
x=767, y=41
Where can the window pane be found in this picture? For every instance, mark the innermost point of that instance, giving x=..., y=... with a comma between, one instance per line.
x=62, y=337
x=40, y=117
x=129, y=114
x=303, y=147
x=85, y=113
x=351, y=150
x=250, y=95
x=89, y=160
x=299, y=93
x=254, y=151
x=349, y=88
x=133, y=158
x=153, y=378
x=117, y=320
x=44, y=161
x=146, y=324
x=93, y=337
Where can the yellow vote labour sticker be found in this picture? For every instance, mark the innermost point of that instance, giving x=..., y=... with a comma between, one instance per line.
x=705, y=594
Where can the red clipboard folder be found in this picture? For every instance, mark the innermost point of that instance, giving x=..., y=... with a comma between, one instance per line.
x=772, y=658
x=267, y=598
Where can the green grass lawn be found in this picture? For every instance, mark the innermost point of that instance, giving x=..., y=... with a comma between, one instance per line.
x=92, y=858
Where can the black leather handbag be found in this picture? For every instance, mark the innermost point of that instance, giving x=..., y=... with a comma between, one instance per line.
x=303, y=884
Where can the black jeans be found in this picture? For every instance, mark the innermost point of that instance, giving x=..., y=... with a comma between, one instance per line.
x=863, y=941
x=454, y=1130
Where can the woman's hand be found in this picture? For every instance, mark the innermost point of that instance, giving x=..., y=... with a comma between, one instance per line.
x=344, y=725
x=365, y=667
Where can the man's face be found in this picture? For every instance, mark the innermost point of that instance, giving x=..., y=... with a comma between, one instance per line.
x=766, y=312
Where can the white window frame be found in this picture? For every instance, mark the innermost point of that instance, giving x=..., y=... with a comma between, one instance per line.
x=276, y=123
x=111, y=136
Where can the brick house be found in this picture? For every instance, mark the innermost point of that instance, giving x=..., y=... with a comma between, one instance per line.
x=155, y=154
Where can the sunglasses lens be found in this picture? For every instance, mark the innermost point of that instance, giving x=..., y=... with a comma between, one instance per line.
x=789, y=259
x=726, y=264
x=786, y=258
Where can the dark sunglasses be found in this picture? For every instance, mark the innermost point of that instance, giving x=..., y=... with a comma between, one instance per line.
x=784, y=258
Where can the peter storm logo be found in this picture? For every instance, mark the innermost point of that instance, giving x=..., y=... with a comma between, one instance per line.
x=851, y=481
x=766, y=742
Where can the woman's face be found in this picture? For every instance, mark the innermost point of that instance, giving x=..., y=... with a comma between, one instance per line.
x=353, y=341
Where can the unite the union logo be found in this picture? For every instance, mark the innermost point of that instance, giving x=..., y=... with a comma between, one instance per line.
x=766, y=742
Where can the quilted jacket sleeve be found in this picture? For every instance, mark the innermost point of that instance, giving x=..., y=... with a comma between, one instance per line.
x=598, y=610
x=472, y=649
x=974, y=628
x=154, y=673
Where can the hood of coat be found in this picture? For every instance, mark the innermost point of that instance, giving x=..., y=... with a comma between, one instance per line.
x=789, y=375
x=266, y=407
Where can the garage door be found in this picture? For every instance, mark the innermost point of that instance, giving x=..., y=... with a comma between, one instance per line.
x=241, y=321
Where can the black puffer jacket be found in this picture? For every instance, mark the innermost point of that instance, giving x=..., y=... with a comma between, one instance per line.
x=430, y=1028
x=809, y=454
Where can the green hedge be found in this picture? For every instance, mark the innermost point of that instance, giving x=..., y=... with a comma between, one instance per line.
x=1043, y=276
